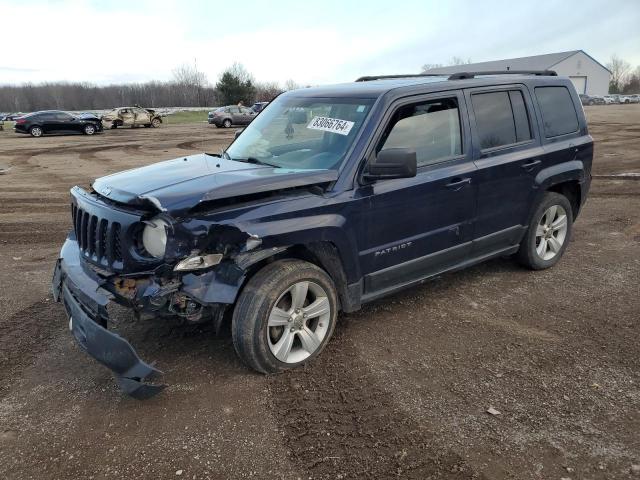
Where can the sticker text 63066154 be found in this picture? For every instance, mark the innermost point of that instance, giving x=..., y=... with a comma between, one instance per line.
x=335, y=125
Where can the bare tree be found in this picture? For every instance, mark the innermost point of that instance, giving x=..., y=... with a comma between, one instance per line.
x=453, y=61
x=291, y=85
x=619, y=69
x=267, y=91
x=192, y=80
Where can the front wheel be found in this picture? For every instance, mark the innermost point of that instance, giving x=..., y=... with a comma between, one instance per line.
x=285, y=316
x=548, y=234
x=89, y=129
x=155, y=123
x=227, y=123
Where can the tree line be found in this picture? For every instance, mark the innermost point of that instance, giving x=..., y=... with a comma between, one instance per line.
x=624, y=79
x=188, y=87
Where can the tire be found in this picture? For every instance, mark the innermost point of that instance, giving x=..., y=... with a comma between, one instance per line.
x=267, y=299
x=36, y=131
x=591, y=102
x=89, y=129
x=542, y=247
x=114, y=125
x=156, y=122
x=226, y=123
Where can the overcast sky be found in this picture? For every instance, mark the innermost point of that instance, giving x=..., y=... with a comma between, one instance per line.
x=308, y=41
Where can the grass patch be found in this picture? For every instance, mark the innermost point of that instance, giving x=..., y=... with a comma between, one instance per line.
x=186, y=117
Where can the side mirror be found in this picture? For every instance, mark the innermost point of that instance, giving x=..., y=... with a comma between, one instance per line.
x=238, y=132
x=393, y=163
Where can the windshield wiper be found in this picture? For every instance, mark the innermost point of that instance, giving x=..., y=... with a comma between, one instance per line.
x=255, y=161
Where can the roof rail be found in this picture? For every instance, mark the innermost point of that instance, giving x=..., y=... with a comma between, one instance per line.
x=466, y=75
x=410, y=75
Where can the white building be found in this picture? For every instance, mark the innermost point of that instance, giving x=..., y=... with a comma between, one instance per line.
x=588, y=75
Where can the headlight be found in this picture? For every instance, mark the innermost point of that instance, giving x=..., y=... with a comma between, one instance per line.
x=154, y=237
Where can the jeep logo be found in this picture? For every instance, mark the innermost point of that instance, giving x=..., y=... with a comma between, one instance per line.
x=393, y=249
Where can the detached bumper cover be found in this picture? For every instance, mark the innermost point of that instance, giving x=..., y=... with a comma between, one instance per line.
x=85, y=302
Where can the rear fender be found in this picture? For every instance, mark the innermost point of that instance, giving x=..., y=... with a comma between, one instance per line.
x=546, y=178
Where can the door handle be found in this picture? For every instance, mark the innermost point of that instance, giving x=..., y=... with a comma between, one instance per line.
x=458, y=183
x=530, y=165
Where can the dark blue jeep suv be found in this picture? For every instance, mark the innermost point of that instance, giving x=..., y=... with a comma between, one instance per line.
x=330, y=198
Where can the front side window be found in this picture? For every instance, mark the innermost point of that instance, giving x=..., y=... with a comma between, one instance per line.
x=63, y=117
x=432, y=128
x=558, y=113
x=501, y=118
x=302, y=132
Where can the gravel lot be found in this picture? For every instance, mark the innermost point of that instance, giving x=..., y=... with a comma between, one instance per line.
x=401, y=391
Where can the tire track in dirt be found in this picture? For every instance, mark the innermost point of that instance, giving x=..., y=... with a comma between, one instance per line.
x=337, y=422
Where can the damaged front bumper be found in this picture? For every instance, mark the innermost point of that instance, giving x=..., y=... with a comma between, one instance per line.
x=86, y=304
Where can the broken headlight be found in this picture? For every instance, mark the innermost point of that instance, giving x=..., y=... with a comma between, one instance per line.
x=154, y=237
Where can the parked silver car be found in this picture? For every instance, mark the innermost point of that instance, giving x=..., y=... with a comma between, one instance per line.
x=231, y=115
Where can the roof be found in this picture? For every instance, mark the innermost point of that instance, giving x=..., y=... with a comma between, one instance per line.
x=371, y=89
x=535, y=62
x=410, y=85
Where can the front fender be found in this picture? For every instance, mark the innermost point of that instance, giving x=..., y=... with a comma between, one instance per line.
x=310, y=229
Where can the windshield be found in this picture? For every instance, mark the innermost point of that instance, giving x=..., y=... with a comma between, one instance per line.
x=302, y=133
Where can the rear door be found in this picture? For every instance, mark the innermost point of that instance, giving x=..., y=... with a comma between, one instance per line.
x=127, y=116
x=508, y=154
x=420, y=226
x=247, y=115
x=236, y=116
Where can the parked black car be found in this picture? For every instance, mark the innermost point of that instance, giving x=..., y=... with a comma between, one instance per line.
x=365, y=189
x=55, y=121
x=259, y=106
x=591, y=99
x=231, y=115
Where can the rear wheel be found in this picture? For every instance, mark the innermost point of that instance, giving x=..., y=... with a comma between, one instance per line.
x=285, y=316
x=548, y=234
x=227, y=123
x=35, y=131
x=89, y=129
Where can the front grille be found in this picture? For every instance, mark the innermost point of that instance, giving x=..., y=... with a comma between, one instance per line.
x=98, y=238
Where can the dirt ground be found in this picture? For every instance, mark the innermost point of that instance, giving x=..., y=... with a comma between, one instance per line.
x=402, y=389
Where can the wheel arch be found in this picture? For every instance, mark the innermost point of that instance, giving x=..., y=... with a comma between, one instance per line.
x=566, y=178
x=323, y=254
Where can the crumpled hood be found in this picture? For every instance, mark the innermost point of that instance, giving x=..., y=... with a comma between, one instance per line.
x=182, y=183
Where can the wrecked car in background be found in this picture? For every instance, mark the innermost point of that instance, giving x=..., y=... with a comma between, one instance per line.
x=330, y=198
x=131, y=117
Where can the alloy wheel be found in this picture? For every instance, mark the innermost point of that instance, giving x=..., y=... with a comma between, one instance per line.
x=298, y=322
x=551, y=232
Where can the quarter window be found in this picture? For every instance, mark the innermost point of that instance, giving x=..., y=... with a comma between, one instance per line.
x=432, y=128
x=501, y=118
x=558, y=113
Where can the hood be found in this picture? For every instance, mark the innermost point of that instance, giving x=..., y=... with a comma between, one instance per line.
x=180, y=184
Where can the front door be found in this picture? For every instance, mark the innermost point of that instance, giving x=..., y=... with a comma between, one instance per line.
x=508, y=155
x=417, y=227
x=142, y=117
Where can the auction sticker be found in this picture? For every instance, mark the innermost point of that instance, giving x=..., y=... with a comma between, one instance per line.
x=335, y=125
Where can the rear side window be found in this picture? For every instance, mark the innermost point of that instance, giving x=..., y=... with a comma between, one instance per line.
x=432, y=128
x=501, y=118
x=558, y=113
